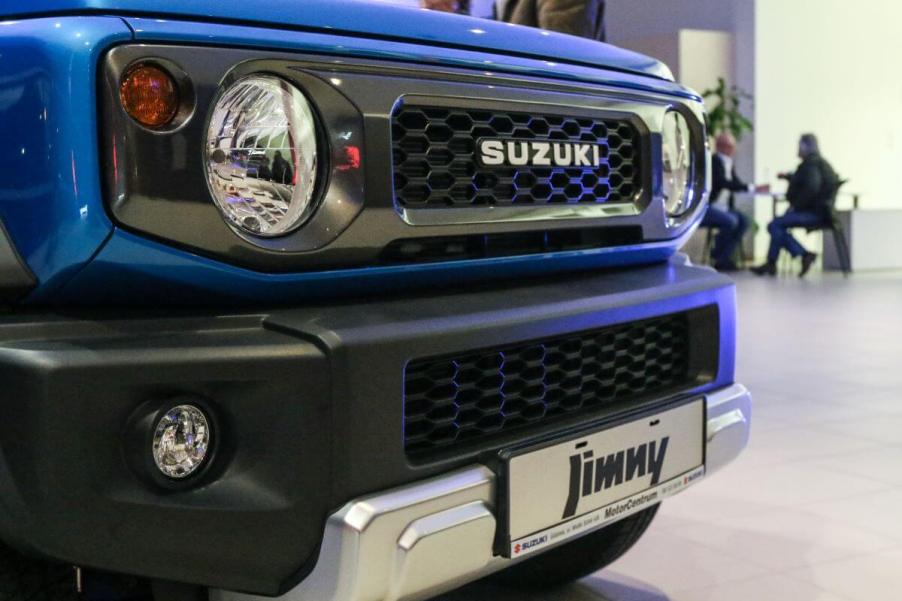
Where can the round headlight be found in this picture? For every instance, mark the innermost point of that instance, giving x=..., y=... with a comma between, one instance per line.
x=679, y=167
x=181, y=441
x=261, y=156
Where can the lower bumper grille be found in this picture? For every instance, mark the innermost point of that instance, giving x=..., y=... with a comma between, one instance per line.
x=475, y=396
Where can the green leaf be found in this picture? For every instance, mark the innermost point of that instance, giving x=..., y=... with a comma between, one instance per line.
x=724, y=112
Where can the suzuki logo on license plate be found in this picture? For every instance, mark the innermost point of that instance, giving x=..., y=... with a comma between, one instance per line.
x=537, y=153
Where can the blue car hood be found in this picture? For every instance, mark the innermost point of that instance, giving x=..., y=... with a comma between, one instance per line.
x=367, y=18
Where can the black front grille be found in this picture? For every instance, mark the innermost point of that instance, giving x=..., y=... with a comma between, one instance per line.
x=475, y=396
x=435, y=166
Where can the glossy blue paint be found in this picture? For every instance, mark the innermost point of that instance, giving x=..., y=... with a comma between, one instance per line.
x=370, y=20
x=340, y=46
x=50, y=197
x=130, y=269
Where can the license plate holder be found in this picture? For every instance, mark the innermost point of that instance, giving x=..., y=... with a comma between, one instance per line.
x=563, y=487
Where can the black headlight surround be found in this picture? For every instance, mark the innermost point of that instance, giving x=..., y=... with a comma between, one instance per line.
x=156, y=181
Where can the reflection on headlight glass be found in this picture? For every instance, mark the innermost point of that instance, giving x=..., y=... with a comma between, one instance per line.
x=678, y=167
x=261, y=156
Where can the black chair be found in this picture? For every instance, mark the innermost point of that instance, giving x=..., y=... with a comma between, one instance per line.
x=833, y=225
x=709, y=246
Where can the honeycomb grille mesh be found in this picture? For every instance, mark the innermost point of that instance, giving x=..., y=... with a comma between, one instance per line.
x=433, y=154
x=473, y=396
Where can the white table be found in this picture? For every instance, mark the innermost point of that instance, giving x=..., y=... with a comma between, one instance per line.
x=874, y=237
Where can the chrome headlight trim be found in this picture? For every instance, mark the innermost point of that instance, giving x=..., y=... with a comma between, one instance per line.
x=679, y=165
x=261, y=156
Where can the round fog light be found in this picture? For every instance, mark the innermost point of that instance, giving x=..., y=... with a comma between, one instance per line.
x=181, y=441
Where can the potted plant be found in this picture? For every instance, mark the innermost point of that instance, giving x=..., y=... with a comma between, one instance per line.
x=724, y=115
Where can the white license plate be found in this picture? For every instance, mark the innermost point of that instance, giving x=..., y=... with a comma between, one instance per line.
x=565, y=489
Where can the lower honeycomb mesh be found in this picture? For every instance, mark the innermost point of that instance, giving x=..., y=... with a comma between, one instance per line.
x=473, y=396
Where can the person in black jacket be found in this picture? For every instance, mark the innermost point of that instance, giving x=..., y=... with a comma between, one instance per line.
x=729, y=223
x=811, y=190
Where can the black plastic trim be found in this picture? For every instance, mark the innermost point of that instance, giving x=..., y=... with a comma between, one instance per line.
x=158, y=186
x=703, y=352
x=307, y=400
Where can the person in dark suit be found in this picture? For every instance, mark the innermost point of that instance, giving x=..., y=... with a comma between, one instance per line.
x=448, y=6
x=583, y=18
x=811, y=190
x=729, y=223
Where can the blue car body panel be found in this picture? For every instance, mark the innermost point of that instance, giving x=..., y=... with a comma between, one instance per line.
x=604, y=71
x=130, y=266
x=51, y=199
x=50, y=193
x=374, y=20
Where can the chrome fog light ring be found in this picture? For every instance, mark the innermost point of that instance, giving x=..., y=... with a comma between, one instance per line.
x=182, y=441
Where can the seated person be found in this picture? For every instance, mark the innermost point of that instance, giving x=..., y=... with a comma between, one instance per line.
x=811, y=189
x=730, y=224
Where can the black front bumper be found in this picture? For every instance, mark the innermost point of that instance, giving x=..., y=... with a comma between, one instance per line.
x=307, y=403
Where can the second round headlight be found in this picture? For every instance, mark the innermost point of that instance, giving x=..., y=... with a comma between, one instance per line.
x=679, y=165
x=261, y=156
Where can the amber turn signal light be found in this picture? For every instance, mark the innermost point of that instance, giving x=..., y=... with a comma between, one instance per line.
x=149, y=95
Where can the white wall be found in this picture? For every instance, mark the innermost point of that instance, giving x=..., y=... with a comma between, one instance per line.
x=832, y=67
x=704, y=57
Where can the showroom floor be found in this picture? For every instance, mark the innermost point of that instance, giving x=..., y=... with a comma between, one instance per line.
x=813, y=510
